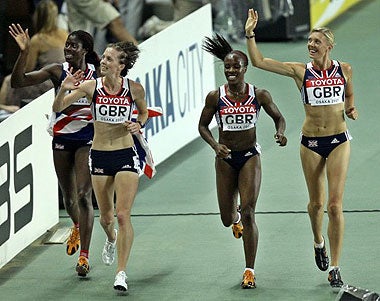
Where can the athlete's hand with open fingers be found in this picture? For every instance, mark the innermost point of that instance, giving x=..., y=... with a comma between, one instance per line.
x=252, y=19
x=21, y=37
x=280, y=139
x=72, y=81
x=221, y=150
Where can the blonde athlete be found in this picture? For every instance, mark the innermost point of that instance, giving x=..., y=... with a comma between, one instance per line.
x=327, y=93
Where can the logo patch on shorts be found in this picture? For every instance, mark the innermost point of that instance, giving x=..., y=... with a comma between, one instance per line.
x=98, y=170
x=312, y=143
x=59, y=146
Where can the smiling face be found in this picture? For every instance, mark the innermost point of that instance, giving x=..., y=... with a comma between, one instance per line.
x=110, y=62
x=318, y=45
x=74, y=51
x=234, y=68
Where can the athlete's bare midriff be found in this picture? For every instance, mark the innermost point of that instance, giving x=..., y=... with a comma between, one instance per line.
x=111, y=136
x=324, y=120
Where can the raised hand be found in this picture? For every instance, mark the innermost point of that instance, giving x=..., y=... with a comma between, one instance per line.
x=252, y=19
x=21, y=37
x=72, y=81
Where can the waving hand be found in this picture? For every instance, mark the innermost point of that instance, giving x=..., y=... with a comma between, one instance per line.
x=21, y=37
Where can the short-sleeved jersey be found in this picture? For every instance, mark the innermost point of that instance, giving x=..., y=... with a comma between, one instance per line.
x=76, y=123
x=323, y=87
x=116, y=108
x=237, y=115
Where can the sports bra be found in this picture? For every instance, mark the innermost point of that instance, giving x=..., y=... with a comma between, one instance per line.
x=108, y=108
x=237, y=115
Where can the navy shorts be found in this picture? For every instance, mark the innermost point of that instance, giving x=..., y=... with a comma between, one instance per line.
x=60, y=143
x=237, y=159
x=109, y=163
x=325, y=145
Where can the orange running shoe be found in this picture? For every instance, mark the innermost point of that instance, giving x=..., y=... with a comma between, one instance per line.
x=237, y=228
x=249, y=280
x=83, y=267
x=73, y=242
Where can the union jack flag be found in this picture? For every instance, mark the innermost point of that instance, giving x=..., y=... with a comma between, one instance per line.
x=98, y=170
x=312, y=143
x=145, y=155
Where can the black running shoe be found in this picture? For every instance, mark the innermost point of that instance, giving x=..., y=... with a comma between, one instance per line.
x=321, y=258
x=335, y=280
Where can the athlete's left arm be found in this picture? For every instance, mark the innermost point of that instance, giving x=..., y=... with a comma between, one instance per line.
x=138, y=94
x=349, y=103
x=265, y=100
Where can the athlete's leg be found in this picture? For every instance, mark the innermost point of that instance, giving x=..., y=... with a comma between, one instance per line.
x=314, y=171
x=126, y=184
x=64, y=168
x=104, y=192
x=84, y=196
x=227, y=191
x=249, y=187
x=337, y=167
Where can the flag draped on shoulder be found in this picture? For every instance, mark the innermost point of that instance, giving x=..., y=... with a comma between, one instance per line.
x=145, y=155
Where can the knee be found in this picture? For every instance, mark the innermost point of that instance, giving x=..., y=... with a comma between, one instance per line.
x=334, y=209
x=84, y=198
x=248, y=215
x=123, y=217
x=315, y=206
x=107, y=217
x=106, y=220
x=68, y=199
x=227, y=219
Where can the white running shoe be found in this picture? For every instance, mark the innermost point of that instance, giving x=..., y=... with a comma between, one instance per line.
x=108, y=254
x=120, y=283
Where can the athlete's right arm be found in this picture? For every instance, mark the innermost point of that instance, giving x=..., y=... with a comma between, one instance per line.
x=203, y=126
x=77, y=91
x=290, y=69
x=19, y=76
x=21, y=79
x=207, y=114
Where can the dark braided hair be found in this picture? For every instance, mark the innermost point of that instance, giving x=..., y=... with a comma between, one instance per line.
x=129, y=53
x=219, y=47
x=88, y=43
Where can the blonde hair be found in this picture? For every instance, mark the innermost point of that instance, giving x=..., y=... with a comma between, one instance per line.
x=327, y=33
x=46, y=16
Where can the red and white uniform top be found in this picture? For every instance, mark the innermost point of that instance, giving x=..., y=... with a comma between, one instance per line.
x=112, y=108
x=323, y=87
x=237, y=115
x=75, y=122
